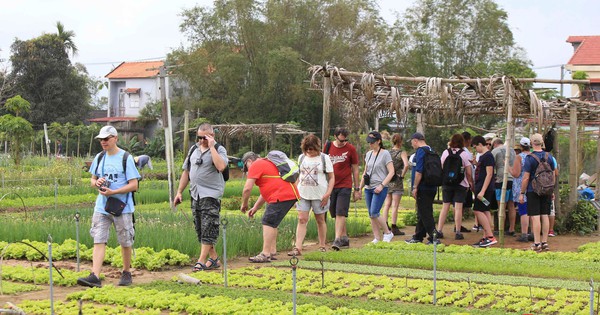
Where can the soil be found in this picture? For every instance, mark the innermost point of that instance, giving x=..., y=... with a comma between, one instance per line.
x=558, y=243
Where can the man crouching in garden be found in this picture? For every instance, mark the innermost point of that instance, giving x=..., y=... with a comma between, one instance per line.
x=115, y=175
x=279, y=195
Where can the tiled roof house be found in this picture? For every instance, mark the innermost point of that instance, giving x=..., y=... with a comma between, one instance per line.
x=131, y=86
x=586, y=57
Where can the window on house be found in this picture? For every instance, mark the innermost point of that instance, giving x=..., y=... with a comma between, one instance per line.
x=134, y=100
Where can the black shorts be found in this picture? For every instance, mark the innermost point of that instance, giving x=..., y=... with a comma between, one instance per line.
x=206, y=213
x=339, y=202
x=275, y=212
x=452, y=194
x=538, y=205
x=478, y=205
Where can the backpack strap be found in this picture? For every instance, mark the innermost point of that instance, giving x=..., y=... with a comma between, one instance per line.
x=100, y=156
x=192, y=149
x=324, y=165
x=327, y=147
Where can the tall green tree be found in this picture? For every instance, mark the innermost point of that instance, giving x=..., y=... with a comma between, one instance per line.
x=246, y=58
x=45, y=76
x=445, y=37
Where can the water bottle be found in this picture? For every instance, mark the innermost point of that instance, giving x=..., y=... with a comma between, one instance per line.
x=485, y=201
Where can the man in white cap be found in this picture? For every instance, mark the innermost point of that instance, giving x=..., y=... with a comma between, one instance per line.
x=115, y=176
x=538, y=204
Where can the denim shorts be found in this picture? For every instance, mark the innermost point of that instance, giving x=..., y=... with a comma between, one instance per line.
x=375, y=201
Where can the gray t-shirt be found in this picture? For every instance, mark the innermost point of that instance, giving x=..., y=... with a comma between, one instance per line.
x=499, y=154
x=205, y=179
x=377, y=168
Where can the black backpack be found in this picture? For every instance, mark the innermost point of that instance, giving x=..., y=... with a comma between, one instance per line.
x=432, y=168
x=453, y=170
x=225, y=172
x=125, y=157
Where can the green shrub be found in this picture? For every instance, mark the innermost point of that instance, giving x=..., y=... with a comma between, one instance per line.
x=583, y=219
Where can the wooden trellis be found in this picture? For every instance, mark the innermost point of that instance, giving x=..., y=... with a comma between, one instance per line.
x=365, y=93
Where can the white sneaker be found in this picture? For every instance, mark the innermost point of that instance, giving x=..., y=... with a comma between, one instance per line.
x=388, y=237
x=375, y=241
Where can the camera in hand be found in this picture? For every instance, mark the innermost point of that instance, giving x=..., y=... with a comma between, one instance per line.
x=367, y=179
x=104, y=185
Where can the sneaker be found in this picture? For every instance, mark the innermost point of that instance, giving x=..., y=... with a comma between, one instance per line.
x=125, y=278
x=90, y=281
x=439, y=235
x=511, y=233
x=479, y=242
x=464, y=229
x=431, y=242
x=336, y=244
x=375, y=241
x=388, y=237
x=477, y=228
x=530, y=237
x=551, y=233
x=459, y=236
x=344, y=242
x=413, y=241
x=523, y=238
x=488, y=242
x=396, y=230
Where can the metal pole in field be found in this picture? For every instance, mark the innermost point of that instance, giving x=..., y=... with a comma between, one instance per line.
x=55, y=193
x=592, y=296
x=294, y=264
x=224, y=222
x=434, y=266
x=50, y=278
x=77, y=215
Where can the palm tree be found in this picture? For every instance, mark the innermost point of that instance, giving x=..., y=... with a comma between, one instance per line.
x=67, y=38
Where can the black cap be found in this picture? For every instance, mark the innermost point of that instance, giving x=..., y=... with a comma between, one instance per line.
x=373, y=136
x=418, y=136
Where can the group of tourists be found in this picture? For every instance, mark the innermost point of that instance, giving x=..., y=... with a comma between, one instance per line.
x=327, y=180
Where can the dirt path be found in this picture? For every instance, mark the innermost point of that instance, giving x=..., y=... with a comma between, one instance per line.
x=558, y=243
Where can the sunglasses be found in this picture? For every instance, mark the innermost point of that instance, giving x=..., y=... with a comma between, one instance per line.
x=200, y=138
x=340, y=140
x=106, y=139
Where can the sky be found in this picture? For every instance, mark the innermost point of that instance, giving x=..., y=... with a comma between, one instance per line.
x=111, y=31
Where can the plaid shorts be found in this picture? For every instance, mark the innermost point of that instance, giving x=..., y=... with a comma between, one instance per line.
x=206, y=213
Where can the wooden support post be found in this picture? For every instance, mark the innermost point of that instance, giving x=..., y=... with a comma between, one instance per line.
x=508, y=146
x=572, y=159
x=326, y=107
x=598, y=169
x=273, y=135
x=556, y=154
x=186, y=127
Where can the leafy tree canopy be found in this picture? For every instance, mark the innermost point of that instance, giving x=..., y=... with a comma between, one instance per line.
x=44, y=75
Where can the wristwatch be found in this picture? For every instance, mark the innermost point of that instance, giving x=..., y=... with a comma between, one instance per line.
x=356, y=188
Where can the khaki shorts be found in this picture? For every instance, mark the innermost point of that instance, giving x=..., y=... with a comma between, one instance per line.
x=123, y=225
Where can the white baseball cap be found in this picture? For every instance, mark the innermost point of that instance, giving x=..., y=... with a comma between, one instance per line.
x=525, y=142
x=106, y=132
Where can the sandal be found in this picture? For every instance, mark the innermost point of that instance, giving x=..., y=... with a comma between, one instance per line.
x=260, y=258
x=199, y=267
x=322, y=249
x=295, y=252
x=273, y=256
x=214, y=264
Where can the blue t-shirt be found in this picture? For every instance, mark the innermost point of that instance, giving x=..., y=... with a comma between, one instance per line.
x=531, y=165
x=419, y=165
x=485, y=160
x=111, y=167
